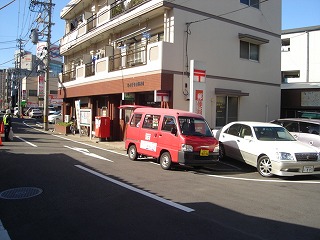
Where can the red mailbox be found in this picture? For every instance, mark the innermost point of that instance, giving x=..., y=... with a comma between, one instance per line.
x=102, y=127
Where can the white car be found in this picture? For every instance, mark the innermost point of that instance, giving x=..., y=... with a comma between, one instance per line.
x=35, y=113
x=268, y=147
x=54, y=117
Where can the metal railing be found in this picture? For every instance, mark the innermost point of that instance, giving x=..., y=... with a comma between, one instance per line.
x=90, y=69
x=120, y=6
x=133, y=58
x=69, y=76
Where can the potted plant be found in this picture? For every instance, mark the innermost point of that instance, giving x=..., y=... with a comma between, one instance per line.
x=62, y=127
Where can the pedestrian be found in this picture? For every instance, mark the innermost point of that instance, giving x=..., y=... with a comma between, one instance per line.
x=7, y=121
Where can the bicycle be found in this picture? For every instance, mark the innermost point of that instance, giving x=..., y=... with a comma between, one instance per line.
x=73, y=127
x=84, y=131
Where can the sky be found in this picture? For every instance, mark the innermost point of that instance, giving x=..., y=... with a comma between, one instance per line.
x=16, y=19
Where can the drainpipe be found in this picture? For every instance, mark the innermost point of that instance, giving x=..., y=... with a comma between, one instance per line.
x=308, y=56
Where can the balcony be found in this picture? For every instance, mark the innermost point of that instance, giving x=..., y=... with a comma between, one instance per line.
x=122, y=6
x=126, y=62
x=109, y=19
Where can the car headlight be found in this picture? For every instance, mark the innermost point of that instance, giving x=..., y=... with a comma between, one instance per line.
x=186, y=148
x=284, y=156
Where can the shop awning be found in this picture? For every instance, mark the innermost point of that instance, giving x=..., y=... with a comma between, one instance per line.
x=230, y=92
x=252, y=39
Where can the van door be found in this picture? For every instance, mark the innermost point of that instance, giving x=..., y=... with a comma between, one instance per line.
x=149, y=135
x=168, y=137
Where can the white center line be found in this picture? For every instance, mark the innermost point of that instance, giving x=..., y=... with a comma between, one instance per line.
x=165, y=201
x=26, y=141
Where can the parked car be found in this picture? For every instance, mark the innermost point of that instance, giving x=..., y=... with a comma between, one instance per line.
x=304, y=130
x=171, y=136
x=268, y=147
x=35, y=113
x=52, y=118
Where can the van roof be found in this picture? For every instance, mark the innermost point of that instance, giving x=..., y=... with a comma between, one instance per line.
x=166, y=111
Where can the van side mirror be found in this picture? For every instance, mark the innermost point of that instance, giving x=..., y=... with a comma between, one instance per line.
x=174, y=130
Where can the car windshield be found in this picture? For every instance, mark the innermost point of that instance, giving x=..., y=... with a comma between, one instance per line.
x=273, y=134
x=194, y=127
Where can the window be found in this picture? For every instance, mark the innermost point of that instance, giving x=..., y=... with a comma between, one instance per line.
x=226, y=110
x=285, y=45
x=33, y=93
x=245, y=131
x=191, y=126
x=309, y=128
x=249, y=51
x=168, y=123
x=151, y=121
x=135, y=120
x=234, y=130
x=287, y=75
x=251, y=3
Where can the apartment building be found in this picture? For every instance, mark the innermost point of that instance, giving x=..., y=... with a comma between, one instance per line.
x=33, y=91
x=300, y=67
x=217, y=58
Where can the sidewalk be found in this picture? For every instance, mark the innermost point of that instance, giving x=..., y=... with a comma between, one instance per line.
x=112, y=145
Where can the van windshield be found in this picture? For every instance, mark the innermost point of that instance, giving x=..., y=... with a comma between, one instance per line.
x=190, y=126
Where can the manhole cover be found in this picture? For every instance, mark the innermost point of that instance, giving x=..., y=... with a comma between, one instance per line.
x=20, y=193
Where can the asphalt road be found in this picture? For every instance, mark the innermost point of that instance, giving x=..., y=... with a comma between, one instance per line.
x=62, y=187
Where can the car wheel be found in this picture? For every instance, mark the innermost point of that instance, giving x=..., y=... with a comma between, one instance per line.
x=165, y=161
x=264, y=166
x=222, y=152
x=132, y=153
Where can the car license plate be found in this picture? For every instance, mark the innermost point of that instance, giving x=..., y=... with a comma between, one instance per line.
x=204, y=152
x=308, y=169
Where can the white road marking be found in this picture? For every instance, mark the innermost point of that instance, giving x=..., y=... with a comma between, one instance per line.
x=263, y=180
x=33, y=145
x=3, y=233
x=165, y=201
x=86, y=144
x=87, y=153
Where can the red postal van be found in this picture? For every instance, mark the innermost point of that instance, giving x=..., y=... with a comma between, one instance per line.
x=171, y=136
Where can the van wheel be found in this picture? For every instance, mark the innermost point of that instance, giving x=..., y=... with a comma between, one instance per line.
x=264, y=166
x=132, y=153
x=165, y=161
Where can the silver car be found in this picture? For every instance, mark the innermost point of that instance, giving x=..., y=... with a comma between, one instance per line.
x=304, y=130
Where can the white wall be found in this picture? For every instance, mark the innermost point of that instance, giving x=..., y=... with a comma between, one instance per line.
x=297, y=57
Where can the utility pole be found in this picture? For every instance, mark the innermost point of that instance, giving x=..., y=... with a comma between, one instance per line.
x=19, y=79
x=44, y=7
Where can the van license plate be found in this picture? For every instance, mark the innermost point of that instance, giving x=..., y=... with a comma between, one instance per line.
x=308, y=169
x=204, y=152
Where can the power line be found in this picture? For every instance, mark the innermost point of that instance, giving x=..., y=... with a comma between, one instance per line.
x=7, y=4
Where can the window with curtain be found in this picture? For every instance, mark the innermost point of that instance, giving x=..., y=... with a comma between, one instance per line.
x=249, y=51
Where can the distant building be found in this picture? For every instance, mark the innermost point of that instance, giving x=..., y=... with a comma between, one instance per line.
x=217, y=58
x=25, y=76
x=300, y=68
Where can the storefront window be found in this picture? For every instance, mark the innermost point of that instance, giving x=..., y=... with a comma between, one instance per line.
x=226, y=110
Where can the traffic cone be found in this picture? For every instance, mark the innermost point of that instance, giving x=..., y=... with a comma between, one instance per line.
x=1, y=141
x=2, y=128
